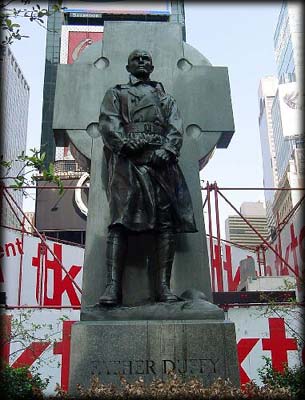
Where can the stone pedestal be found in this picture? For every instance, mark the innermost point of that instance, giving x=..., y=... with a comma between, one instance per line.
x=150, y=349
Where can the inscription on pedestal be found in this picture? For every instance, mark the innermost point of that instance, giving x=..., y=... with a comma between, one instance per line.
x=205, y=350
x=188, y=366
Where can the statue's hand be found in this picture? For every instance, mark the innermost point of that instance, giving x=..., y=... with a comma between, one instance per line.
x=133, y=146
x=161, y=157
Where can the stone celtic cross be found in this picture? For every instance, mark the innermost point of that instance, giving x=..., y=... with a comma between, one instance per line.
x=202, y=92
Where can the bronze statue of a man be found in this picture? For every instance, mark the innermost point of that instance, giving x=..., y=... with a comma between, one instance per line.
x=142, y=131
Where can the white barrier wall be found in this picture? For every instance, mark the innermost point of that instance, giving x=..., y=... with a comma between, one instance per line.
x=49, y=350
x=32, y=276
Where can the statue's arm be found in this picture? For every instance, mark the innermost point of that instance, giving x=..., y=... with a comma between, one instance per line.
x=110, y=122
x=174, y=130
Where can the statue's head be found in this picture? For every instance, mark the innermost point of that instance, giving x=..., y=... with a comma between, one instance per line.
x=140, y=64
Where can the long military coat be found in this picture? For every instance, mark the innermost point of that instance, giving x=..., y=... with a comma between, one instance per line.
x=131, y=185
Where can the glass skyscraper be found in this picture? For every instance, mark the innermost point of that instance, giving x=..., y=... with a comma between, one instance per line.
x=288, y=42
x=284, y=112
x=267, y=91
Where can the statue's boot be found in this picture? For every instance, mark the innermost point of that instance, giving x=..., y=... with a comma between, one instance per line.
x=166, y=247
x=115, y=257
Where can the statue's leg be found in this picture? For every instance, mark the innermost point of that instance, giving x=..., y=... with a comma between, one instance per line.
x=115, y=256
x=165, y=247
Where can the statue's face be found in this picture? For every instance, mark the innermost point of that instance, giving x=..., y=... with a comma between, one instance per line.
x=140, y=64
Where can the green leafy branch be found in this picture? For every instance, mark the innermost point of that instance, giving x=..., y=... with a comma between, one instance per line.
x=35, y=163
x=8, y=16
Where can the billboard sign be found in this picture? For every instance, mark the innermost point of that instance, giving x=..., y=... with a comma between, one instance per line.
x=59, y=212
x=118, y=7
x=291, y=107
x=75, y=39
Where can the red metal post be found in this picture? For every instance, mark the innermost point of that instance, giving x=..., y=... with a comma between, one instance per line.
x=210, y=235
x=279, y=238
x=1, y=201
x=264, y=259
x=42, y=254
x=220, y=289
x=21, y=262
x=258, y=254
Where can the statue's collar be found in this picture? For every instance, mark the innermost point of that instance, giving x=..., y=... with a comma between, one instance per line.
x=133, y=80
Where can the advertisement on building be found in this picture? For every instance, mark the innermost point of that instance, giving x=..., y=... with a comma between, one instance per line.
x=291, y=107
x=118, y=7
x=75, y=39
x=59, y=211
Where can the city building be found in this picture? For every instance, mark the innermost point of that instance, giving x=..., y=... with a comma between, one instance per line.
x=288, y=43
x=239, y=232
x=266, y=94
x=15, y=93
x=280, y=117
x=30, y=215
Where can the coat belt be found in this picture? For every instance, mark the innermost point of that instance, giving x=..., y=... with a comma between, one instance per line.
x=144, y=127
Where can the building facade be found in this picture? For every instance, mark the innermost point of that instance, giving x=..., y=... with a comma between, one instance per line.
x=280, y=118
x=287, y=107
x=15, y=93
x=288, y=43
x=239, y=232
x=266, y=94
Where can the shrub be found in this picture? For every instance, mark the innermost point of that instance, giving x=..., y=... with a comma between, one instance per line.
x=20, y=384
x=175, y=388
x=292, y=378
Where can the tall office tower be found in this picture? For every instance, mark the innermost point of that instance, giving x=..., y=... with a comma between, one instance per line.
x=288, y=43
x=266, y=94
x=15, y=94
x=285, y=127
x=238, y=231
x=70, y=32
x=287, y=106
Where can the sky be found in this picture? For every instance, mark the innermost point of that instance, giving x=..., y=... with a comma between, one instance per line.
x=236, y=35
